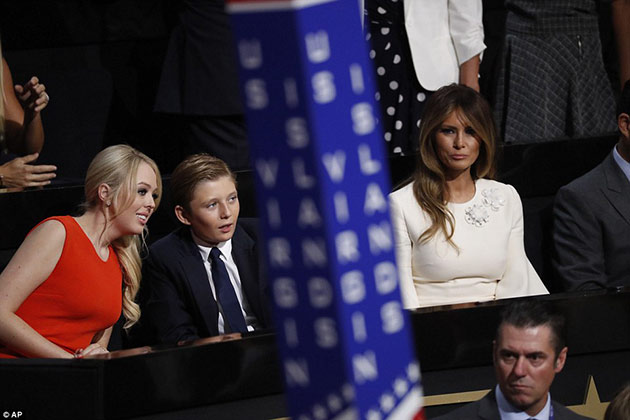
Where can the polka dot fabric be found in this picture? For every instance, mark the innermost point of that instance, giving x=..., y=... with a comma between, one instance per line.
x=400, y=95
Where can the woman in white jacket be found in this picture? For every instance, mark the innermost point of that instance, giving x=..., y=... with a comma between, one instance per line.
x=417, y=47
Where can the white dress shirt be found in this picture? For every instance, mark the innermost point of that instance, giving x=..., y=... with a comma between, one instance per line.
x=235, y=279
x=622, y=163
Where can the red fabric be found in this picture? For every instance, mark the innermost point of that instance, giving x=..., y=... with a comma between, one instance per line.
x=420, y=415
x=82, y=295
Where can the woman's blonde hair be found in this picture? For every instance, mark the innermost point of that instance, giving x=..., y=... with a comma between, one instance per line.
x=429, y=182
x=117, y=167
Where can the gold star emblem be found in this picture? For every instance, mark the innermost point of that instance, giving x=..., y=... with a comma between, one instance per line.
x=592, y=406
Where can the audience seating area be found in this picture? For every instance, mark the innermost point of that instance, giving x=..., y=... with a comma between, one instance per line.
x=536, y=171
x=101, y=64
x=101, y=71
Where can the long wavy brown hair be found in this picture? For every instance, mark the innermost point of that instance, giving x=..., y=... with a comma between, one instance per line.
x=429, y=181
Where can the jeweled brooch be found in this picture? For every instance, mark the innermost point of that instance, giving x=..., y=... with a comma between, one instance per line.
x=478, y=214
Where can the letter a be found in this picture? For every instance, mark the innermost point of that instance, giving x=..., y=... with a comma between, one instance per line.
x=374, y=200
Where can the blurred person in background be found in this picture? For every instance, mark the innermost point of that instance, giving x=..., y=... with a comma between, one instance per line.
x=21, y=132
x=417, y=47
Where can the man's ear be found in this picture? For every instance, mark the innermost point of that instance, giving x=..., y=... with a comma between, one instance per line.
x=561, y=359
x=623, y=123
x=181, y=215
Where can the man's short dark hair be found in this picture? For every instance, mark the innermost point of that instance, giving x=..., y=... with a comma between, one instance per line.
x=530, y=313
x=624, y=100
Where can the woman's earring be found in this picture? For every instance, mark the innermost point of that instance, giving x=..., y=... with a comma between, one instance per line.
x=109, y=203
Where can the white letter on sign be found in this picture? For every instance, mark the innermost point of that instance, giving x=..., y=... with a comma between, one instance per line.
x=364, y=367
x=317, y=46
x=324, y=90
x=352, y=286
x=347, y=244
x=256, y=94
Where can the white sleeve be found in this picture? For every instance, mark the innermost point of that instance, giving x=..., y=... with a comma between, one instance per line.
x=403, y=248
x=466, y=28
x=520, y=277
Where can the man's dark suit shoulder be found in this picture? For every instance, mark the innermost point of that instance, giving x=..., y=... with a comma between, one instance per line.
x=467, y=412
x=250, y=227
x=165, y=244
x=486, y=409
x=561, y=413
x=584, y=184
x=592, y=227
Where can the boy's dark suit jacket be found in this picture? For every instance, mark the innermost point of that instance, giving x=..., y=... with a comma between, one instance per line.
x=487, y=409
x=177, y=301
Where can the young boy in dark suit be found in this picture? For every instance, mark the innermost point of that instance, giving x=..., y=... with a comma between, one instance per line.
x=205, y=279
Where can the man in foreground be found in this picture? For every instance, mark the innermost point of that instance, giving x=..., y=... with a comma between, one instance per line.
x=528, y=350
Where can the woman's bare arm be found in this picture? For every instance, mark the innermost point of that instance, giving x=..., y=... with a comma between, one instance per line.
x=28, y=269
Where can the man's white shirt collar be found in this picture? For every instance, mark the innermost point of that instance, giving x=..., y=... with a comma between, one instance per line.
x=622, y=163
x=509, y=412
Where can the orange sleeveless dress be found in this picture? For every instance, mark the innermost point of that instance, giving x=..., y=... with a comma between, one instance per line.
x=82, y=295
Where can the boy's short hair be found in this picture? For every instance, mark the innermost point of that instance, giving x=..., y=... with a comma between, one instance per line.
x=193, y=170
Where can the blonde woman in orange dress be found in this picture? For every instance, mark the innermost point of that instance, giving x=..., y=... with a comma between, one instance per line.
x=67, y=283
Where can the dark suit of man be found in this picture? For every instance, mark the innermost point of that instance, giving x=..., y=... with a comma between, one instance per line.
x=592, y=229
x=487, y=409
x=199, y=84
x=179, y=304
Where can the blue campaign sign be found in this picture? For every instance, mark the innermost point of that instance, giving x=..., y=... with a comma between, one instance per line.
x=322, y=190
